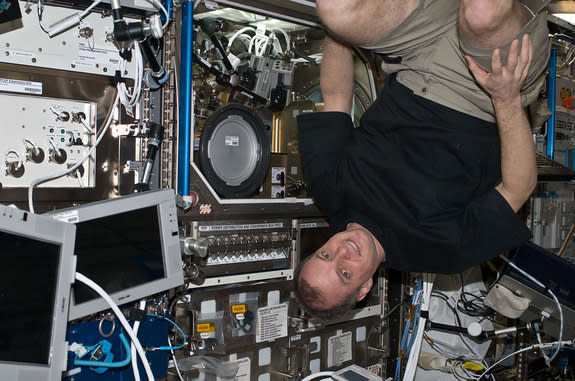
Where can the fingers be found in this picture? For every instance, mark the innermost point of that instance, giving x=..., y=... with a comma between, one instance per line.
x=505, y=78
x=496, y=66
x=513, y=56
x=479, y=74
x=526, y=55
x=518, y=60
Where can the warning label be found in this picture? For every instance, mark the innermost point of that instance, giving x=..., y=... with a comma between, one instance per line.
x=244, y=369
x=339, y=349
x=272, y=323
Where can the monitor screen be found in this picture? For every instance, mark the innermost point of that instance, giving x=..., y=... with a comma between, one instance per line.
x=119, y=251
x=128, y=245
x=35, y=279
x=27, y=297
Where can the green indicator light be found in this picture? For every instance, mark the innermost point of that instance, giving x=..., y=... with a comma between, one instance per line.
x=62, y=140
x=51, y=130
x=62, y=131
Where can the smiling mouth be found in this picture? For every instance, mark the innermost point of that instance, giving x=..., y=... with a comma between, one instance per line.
x=355, y=247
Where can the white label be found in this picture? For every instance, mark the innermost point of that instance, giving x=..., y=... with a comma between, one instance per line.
x=339, y=349
x=19, y=53
x=232, y=141
x=308, y=225
x=277, y=190
x=93, y=55
x=214, y=228
x=272, y=323
x=244, y=370
x=17, y=86
x=277, y=174
x=71, y=216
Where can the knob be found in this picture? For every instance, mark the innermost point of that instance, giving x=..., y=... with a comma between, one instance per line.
x=58, y=156
x=15, y=169
x=35, y=155
x=195, y=247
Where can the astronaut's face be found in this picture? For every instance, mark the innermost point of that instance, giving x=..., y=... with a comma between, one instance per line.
x=344, y=265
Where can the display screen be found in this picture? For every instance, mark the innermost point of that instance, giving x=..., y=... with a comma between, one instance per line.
x=118, y=252
x=28, y=284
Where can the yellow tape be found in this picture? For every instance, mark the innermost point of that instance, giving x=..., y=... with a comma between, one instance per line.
x=470, y=365
x=206, y=327
x=239, y=308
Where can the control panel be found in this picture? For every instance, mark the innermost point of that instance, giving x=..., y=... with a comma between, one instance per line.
x=46, y=136
x=232, y=248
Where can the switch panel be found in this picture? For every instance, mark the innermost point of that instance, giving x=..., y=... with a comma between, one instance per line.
x=46, y=136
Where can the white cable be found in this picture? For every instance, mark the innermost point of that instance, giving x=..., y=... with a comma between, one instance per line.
x=240, y=32
x=135, y=369
x=41, y=180
x=40, y=12
x=130, y=99
x=286, y=37
x=266, y=43
x=534, y=346
x=86, y=125
x=66, y=22
x=411, y=366
x=439, y=347
x=161, y=7
x=256, y=43
x=318, y=374
x=560, y=338
x=90, y=283
x=174, y=359
x=275, y=44
x=89, y=9
x=453, y=309
x=552, y=294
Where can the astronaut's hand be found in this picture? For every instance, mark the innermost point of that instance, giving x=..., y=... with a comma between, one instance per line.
x=504, y=82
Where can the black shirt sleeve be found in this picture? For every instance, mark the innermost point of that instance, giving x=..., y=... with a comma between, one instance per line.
x=486, y=227
x=323, y=137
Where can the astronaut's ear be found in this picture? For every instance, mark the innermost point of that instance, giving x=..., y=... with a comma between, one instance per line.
x=364, y=289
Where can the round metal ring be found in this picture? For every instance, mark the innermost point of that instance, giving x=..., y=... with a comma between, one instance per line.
x=100, y=330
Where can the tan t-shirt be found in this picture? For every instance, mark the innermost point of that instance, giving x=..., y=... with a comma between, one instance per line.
x=433, y=63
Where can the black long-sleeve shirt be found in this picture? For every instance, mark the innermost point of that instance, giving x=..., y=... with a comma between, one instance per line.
x=418, y=175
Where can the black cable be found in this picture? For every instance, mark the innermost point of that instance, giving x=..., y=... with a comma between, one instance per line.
x=446, y=299
x=299, y=54
x=473, y=306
